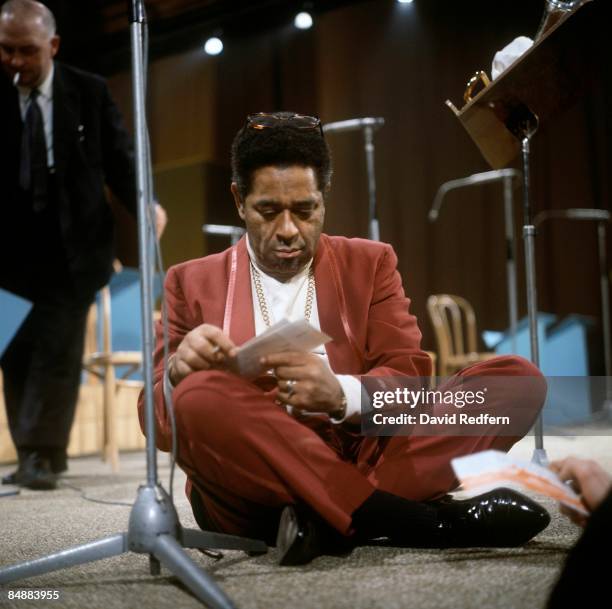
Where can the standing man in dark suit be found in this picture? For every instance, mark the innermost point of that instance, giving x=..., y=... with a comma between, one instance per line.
x=62, y=142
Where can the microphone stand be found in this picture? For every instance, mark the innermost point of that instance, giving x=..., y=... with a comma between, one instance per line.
x=602, y=217
x=506, y=176
x=368, y=125
x=524, y=124
x=153, y=527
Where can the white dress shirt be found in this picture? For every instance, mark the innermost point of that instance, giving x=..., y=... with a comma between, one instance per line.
x=45, y=103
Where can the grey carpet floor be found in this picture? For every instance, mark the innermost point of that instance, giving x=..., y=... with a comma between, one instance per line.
x=33, y=524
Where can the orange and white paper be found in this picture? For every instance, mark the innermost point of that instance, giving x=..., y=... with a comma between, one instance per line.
x=490, y=469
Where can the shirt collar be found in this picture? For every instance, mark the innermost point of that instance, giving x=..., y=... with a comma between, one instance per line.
x=45, y=88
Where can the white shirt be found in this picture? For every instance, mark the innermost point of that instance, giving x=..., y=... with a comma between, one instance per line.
x=45, y=103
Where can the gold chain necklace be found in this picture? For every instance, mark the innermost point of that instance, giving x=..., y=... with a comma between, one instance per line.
x=263, y=305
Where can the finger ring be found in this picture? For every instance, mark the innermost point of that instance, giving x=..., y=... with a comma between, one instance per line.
x=290, y=387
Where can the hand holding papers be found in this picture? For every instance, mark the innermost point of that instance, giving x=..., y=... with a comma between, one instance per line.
x=492, y=468
x=283, y=336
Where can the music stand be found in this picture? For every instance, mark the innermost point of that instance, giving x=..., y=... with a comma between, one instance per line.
x=368, y=126
x=506, y=114
x=154, y=527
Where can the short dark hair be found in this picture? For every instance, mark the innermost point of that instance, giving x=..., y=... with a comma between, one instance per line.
x=281, y=145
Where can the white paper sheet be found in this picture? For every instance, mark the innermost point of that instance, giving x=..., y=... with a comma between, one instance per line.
x=283, y=336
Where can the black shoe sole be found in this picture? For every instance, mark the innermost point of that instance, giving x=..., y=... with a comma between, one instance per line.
x=290, y=539
x=303, y=536
x=40, y=484
x=45, y=481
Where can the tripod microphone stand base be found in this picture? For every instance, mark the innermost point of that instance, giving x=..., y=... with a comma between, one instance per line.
x=153, y=529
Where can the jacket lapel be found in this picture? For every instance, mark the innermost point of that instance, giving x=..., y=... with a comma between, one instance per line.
x=242, y=326
x=342, y=351
x=66, y=113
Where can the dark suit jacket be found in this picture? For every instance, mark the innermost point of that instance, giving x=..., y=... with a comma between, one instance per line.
x=91, y=149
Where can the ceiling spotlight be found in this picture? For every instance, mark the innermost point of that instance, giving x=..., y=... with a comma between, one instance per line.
x=405, y=1
x=303, y=21
x=213, y=46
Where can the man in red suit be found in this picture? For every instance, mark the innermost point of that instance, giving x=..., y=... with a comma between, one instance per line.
x=281, y=457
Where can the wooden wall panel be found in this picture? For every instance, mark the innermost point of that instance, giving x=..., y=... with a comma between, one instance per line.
x=182, y=191
x=181, y=98
x=401, y=62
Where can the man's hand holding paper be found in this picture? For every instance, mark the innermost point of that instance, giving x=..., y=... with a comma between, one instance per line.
x=587, y=478
x=282, y=337
x=204, y=348
x=305, y=382
x=208, y=347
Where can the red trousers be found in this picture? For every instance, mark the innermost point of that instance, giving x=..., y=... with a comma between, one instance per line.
x=248, y=458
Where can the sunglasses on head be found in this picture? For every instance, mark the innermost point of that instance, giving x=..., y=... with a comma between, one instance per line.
x=265, y=120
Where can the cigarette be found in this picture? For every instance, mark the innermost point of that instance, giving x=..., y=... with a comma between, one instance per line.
x=16, y=78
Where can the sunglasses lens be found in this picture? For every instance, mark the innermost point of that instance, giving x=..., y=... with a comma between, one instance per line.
x=262, y=121
x=299, y=121
x=305, y=122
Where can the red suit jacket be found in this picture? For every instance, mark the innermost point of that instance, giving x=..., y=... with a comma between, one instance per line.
x=360, y=300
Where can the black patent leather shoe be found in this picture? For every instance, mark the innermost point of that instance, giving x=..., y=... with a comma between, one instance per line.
x=500, y=518
x=303, y=535
x=34, y=472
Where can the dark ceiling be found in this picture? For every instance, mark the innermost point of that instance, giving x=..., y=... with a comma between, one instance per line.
x=96, y=34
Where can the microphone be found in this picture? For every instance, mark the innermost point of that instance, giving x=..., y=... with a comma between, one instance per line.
x=573, y=213
x=477, y=178
x=234, y=232
x=353, y=124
